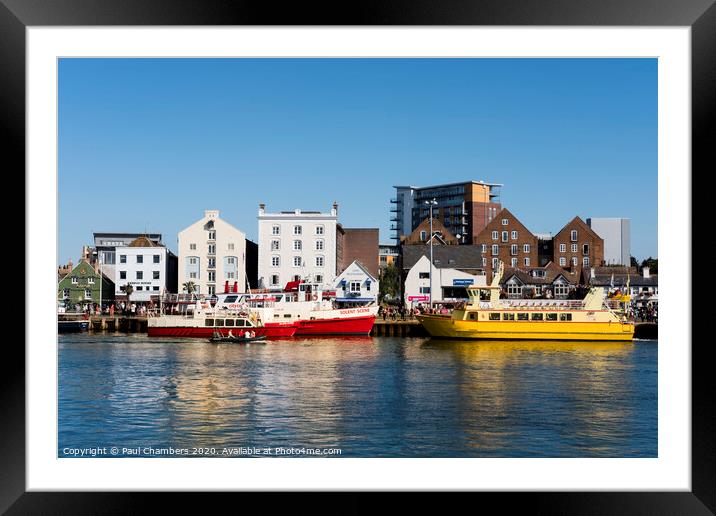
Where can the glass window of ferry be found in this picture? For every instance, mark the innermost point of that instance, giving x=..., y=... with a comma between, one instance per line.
x=494, y=316
x=219, y=322
x=537, y=316
x=473, y=315
x=551, y=317
x=230, y=299
x=523, y=317
x=240, y=322
x=229, y=322
x=508, y=317
x=209, y=322
x=565, y=317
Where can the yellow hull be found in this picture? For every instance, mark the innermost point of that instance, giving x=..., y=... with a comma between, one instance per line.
x=446, y=327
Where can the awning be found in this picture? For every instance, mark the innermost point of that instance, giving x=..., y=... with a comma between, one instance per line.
x=291, y=285
x=353, y=299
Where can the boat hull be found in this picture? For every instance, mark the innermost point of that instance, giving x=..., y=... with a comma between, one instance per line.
x=278, y=331
x=336, y=326
x=72, y=326
x=447, y=327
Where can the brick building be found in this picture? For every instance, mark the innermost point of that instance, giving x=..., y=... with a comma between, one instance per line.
x=421, y=234
x=577, y=245
x=506, y=239
x=357, y=244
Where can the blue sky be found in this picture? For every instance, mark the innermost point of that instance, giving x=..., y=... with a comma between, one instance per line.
x=149, y=144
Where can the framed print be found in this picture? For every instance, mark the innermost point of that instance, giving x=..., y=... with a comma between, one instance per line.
x=218, y=177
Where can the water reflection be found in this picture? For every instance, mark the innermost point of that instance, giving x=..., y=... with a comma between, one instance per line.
x=387, y=397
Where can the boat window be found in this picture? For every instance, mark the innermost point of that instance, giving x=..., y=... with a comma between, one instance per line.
x=275, y=316
x=229, y=322
x=565, y=317
x=209, y=322
x=551, y=317
x=494, y=316
x=240, y=322
x=230, y=299
x=279, y=297
x=522, y=317
x=473, y=316
x=537, y=317
x=219, y=322
x=287, y=315
x=508, y=317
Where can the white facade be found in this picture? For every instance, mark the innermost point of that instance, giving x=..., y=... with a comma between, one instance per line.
x=144, y=268
x=616, y=234
x=356, y=284
x=212, y=252
x=417, y=283
x=297, y=245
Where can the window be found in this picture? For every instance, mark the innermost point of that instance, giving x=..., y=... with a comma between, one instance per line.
x=565, y=317
x=212, y=291
x=319, y=245
x=122, y=274
x=495, y=250
x=231, y=260
x=212, y=275
x=537, y=317
x=156, y=258
x=122, y=258
x=573, y=247
x=140, y=258
x=192, y=275
x=514, y=249
x=66, y=293
x=297, y=245
x=514, y=235
x=585, y=261
x=495, y=235
x=514, y=290
x=212, y=235
x=212, y=263
x=319, y=230
x=155, y=274
x=276, y=230
x=296, y=261
x=425, y=290
x=585, y=249
x=274, y=279
x=140, y=275
x=495, y=264
x=526, y=248
x=90, y=281
x=573, y=235
x=513, y=262
x=508, y=317
x=192, y=247
x=527, y=262
x=212, y=248
x=354, y=286
x=562, y=261
x=192, y=261
x=88, y=294
x=484, y=261
x=140, y=287
x=230, y=275
x=230, y=247
x=484, y=248
x=494, y=316
x=423, y=275
x=297, y=230
x=522, y=317
x=209, y=322
x=562, y=248
x=561, y=290
x=319, y=278
x=505, y=235
x=551, y=317
x=574, y=260
x=319, y=261
x=275, y=245
x=275, y=261
x=155, y=288
x=505, y=222
x=423, y=236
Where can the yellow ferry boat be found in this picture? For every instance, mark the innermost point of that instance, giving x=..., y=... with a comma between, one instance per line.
x=494, y=318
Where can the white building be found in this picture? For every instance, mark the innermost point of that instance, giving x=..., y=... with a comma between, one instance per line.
x=150, y=269
x=616, y=234
x=297, y=245
x=212, y=252
x=356, y=285
x=447, y=284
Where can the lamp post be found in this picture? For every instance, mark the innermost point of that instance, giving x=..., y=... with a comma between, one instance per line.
x=431, y=203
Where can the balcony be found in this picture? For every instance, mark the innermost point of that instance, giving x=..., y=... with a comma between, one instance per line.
x=394, y=200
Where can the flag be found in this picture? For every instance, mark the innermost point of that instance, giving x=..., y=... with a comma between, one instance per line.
x=611, y=282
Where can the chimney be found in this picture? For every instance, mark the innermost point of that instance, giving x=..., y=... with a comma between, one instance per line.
x=262, y=209
x=334, y=211
x=645, y=272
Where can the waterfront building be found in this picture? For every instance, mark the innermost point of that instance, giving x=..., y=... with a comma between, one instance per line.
x=548, y=282
x=463, y=208
x=84, y=285
x=106, y=245
x=577, y=246
x=545, y=248
x=507, y=240
x=643, y=288
x=211, y=253
x=616, y=233
x=149, y=267
x=297, y=245
x=421, y=234
x=454, y=268
x=356, y=285
x=388, y=254
x=356, y=244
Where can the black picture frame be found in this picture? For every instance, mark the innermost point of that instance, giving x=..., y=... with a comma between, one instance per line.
x=700, y=15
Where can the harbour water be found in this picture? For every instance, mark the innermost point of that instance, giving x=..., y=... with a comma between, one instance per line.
x=357, y=397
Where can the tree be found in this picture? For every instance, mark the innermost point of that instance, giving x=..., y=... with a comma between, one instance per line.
x=128, y=289
x=389, y=282
x=190, y=287
x=633, y=262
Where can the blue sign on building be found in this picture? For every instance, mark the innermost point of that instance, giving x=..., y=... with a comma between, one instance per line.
x=462, y=282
